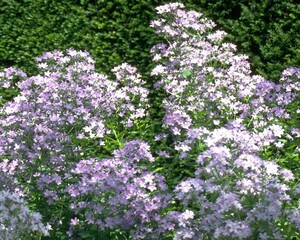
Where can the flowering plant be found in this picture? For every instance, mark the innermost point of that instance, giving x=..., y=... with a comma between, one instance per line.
x=116, y=192
x=16, y=221
x=72, y=140
x=234, y=193
x=59, y=112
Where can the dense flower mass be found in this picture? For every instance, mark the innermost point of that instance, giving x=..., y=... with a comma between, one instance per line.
x=124, y=195
x=207, y=83
x=68, y=100
x=70, y=144
x=240, y=193
x=16, y=221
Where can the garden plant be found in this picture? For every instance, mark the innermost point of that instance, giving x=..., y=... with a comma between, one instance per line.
x=83, y=157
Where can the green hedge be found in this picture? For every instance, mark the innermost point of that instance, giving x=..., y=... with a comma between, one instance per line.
x=266, y=30
x=114, y=31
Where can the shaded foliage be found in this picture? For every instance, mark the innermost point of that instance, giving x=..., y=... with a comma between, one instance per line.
x=116, y=31
x=266, y=30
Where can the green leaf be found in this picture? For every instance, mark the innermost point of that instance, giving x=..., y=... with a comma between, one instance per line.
x=186, y=73
x=158, y=170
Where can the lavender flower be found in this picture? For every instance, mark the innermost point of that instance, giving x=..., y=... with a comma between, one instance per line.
x=118, y=193
x=67, y=101
x=219, y=119
x=66, y=105
x=16, y=221
x=207, y=82
x=235, y=193
x=9, y=77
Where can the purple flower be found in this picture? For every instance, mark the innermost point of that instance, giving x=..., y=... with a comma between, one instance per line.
x=132, y=194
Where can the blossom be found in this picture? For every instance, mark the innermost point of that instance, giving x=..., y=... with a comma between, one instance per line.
x=169, y=7
x=129, y=197
x=16, y=221
x=218, y=120
x=240, y=183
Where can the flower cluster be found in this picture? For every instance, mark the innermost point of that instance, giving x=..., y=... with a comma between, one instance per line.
x=9, y=76
x=118, y=193
x=132, y=101
x=218, y=120
x=207, y=83
x=235, y=193
x=68, y=100
x=16, y=221
x=213, y=99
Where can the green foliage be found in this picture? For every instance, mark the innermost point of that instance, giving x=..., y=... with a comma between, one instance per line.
x=116, y=31
x=267, y=31
x=112, y=31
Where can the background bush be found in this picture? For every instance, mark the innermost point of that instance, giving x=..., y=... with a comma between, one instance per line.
x=267, y=31
x=112, y=31
x=115, y=31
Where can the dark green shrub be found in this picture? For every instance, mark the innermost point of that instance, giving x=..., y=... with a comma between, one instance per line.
x=267, y=31
x=112, y=31
x=115, y=31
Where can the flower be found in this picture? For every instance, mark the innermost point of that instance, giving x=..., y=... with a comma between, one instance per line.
x=16, y=221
